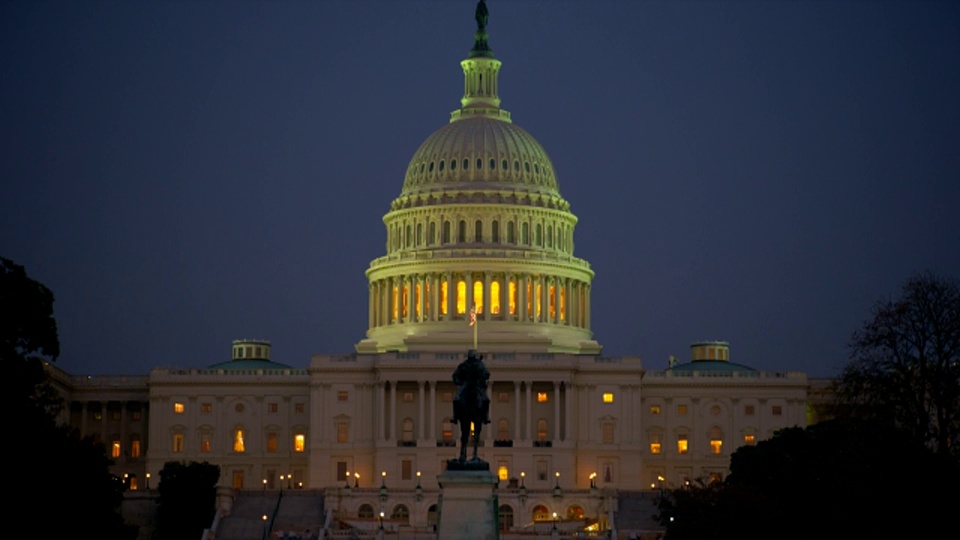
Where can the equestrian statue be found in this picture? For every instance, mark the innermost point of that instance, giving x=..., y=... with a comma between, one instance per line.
x=471, y=404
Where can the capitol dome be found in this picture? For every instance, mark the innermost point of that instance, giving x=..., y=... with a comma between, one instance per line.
x=479, y=228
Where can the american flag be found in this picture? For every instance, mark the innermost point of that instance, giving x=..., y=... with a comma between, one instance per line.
x=473, y=316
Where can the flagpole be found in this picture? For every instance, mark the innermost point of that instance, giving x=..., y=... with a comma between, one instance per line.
x=473, y=323
x=475, y=326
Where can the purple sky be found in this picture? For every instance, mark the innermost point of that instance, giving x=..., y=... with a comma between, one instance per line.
x=185, y=173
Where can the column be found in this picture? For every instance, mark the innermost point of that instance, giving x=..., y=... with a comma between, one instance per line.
x=421, y=284
x=568, y=410
x=451, y=291
x=586, y=308
x=420, y=417
x=468, y=279
x=393, y=411
x=516, y=410
x=529, y=410
x=544, y=306
x=486, y=296
x=433, y=411
x=382, y=408
x=522, y=297
x=411, y=282
x=556, y=411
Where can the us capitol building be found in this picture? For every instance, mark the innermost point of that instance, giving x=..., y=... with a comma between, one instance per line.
x=479, y=223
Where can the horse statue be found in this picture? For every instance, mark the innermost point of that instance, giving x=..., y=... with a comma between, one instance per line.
x=471, y=404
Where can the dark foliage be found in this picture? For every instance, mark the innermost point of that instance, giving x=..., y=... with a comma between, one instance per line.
x=187, y=499
x=844, y=478
x=905, y=364
x=57, y=473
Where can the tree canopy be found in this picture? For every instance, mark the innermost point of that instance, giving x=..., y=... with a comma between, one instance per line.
x=187, y=501
x=905, y=364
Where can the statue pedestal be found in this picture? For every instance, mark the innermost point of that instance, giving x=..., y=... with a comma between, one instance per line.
x=468, y=505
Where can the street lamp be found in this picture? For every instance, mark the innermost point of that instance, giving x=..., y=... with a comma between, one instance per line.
x=593, y=480
x=356, y=479
x=289, y=480
x=281, y=482
x=148, y=481
x=347, y=480
x=264, y=484
x=264, y=519
x=419, y=490
x=557, y=492
x=381, y=520
x=554, y=521
x=383, y=487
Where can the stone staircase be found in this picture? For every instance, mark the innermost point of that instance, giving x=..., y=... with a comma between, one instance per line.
x=293, y=511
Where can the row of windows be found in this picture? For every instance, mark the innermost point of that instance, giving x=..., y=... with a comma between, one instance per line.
x=683, y=443
x=748, y=410
x=412, y=236
x=453, y=164
x=239, y=444
x=207, y=408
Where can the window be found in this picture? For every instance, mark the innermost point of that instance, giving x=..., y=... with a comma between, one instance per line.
x=342, y=432
x=777, y=410
x=541, y=469
x=115, y=449
x=748, y=410
x=574, y=512
x=654, y=409
x=447, y=397
x=503, y=472
x=206, y=408
x=715, y=410
x=446, y=232
x=272, y=408
x=135, y=415
x=299, y=408
x=407, y=430
x=400, y=513
x=540, y=513
x=272, y=443
x=749, y=439
x=177, y=443
x=342, y=472
x=542, y=429
x=682, y=444
x=478, y=231
x=446, y=431
x=608, y=397
x=503, y=432
x=716, y=446
x=406, y=469
x=299, y=442
x=408, y=397
x=655, y=444
x=503, y=397
x=462, y=231
x=135, y=446
x=239, y=408
x=238, y=444
x=682, y=410
x=343, y=395
x=505, y=517
x=178, y=408
x=541, y=397
x=608, y=432
x=114, y=415
x=206, y=445
x=495, y=232
x=365, y=512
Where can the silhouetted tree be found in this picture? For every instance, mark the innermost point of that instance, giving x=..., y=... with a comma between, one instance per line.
x=55, y=473
x=843, y=478
x=905, y=366
x=187, y=501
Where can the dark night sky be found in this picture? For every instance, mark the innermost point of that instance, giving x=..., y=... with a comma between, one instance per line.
x=185, y=173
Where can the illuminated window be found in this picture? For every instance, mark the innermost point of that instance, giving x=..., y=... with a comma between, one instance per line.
x=299, y=408
x=206, y=445
x=541, y=397
x=178, y=408
x=716, y=446
x=408, y=397
x=427, y=300
x=750, y=439
x=529, y=299
x=539, y=301
x=238, y=445
x=654, y=409
x=542, y=429
x=655, y=444
x=575, y=512
x=273, y=408
x=394, y=304
x=503, y=397
x=608, y=397
x=177, y=443
x=777, y=410
x=478, y=295
x=206, y=408
x=343, y=432
x=682, y=444
x=343, y=395
x=461, y=297
x=682, y=410
x=443, y=298
x=135, y=447
x=299, y=442
x=540, y=513
x=512, y=296
x=416, y=300
x=115, y=449
x=403, y=301
x=495, y=297
x=608, y=433
x=272, y=443
x=503, y=473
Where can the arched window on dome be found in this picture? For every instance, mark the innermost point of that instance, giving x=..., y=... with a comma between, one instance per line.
x=419, y=235
x=504, y=165
x=431, y=233
x=516, y=166
x=512, y=296
x=495, y=232
x=461, y=297
x=478, y=231
x=493, y=164
x=525, y=234
x=511, y=233
x=478, y=295
x=549, y=236
x=446, y=232
x=462, y=232
x=479, y=164
x=495, y=297
x=453, y=164
x=466, y=164
x=539, y=236
x=408, y=237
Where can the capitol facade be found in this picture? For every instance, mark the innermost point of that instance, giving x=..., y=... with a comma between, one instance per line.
x=479, y=225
